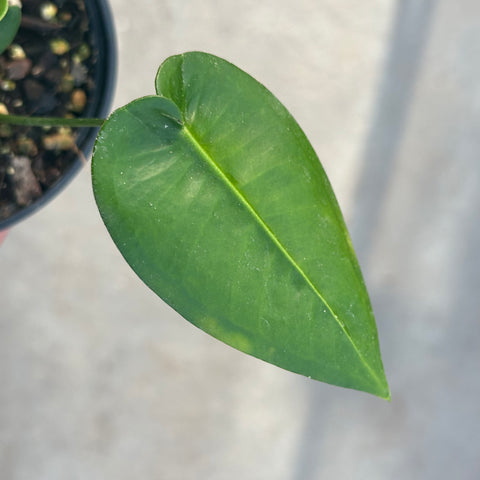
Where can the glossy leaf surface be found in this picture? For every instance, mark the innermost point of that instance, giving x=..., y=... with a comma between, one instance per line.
x=216, y=199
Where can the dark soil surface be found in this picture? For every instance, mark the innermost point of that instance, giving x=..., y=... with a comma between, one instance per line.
x=48, y=71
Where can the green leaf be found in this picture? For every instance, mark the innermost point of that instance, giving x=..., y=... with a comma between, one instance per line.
x=9, y=23
x=3, y=8
x=216, y=199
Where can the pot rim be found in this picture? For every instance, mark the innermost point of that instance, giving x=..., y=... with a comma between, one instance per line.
x=101, y=23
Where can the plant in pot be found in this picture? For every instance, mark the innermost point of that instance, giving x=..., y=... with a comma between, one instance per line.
x=58, y=60
x=216, y=199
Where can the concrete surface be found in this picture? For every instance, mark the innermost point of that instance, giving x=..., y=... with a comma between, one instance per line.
x=100, y=380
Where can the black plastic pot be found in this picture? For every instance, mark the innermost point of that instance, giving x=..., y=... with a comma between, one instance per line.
x=103, y=34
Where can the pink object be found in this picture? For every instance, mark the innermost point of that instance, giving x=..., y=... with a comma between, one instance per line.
x=3, y=234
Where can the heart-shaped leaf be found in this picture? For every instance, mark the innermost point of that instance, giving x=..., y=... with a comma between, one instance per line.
x=216, y=199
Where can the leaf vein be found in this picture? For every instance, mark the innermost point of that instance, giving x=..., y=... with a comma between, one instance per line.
x=276, y=241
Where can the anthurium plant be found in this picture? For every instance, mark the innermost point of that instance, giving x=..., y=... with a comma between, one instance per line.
x=217, y=200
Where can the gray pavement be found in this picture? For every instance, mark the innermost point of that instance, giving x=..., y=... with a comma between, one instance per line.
x=101, y=380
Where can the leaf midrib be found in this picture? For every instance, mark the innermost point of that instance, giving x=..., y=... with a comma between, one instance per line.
x=197, y=145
